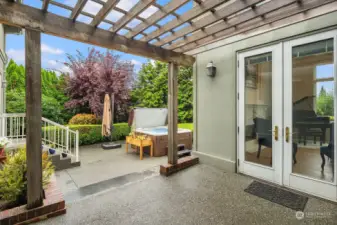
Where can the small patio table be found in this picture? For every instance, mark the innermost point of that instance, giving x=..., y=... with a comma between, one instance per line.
x=139, y=143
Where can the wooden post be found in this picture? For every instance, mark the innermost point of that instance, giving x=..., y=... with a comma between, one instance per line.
x=34, y=117
x=172, y=113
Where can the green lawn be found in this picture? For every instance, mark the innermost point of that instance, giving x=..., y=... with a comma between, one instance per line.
x=186, y=126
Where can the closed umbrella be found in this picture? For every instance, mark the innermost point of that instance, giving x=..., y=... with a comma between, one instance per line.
x=107, y=117
x=107, y=122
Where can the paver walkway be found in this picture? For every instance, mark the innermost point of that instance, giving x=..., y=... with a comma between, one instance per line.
x=199, y=195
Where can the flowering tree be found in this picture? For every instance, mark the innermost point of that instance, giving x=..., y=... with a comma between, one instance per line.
x=95, y=75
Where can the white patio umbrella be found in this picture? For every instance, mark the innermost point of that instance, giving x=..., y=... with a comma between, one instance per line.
x=107, y=117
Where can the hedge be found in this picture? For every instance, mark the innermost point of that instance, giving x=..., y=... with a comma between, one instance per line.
x=91, y=134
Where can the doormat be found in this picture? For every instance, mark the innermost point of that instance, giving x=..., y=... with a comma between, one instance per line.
x=278, y=195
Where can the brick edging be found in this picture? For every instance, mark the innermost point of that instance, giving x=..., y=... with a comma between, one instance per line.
x=53, y=205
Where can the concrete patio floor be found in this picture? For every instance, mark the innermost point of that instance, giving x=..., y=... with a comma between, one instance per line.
x=198, y=195
x=98, y=165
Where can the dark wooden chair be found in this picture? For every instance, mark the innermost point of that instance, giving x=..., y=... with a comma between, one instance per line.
x=264, y=133
x=329, y=151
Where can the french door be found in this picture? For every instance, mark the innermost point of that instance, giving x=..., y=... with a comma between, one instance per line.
x=309, y=114
x=260, y=113
x=286, y=114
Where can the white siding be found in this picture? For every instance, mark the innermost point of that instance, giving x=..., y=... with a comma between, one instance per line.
x=215, y=98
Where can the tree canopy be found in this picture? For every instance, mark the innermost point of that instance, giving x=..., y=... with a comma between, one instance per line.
x=150, y=89
x=53, y=95
x=98, y=74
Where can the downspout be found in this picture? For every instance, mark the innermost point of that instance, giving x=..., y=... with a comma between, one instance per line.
x=195, y=108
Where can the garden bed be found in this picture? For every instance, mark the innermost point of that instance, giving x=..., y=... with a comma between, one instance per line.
x=53, y=205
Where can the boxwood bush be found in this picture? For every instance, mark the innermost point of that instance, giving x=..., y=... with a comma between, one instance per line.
x=92, y=133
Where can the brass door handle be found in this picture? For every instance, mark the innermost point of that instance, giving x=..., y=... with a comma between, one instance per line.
x=276, y=133
x=287, y=134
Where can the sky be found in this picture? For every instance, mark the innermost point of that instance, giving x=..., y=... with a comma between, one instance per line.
x=54, y=49
x=324, y=71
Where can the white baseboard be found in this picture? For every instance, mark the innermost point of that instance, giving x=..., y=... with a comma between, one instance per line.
x=218, y=162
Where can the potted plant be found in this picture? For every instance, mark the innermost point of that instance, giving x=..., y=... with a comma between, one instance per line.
x=3, y=143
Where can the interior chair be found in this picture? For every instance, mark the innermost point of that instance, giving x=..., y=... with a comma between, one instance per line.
x=264, y=134
x=328, y=151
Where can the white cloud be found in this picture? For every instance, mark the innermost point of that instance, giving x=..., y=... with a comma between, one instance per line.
x=136, y=62
x=52, y=62
x=127, y=4
x=57, y=66
x=148, y=12
x=92, y=7
x=48, y=49
x=18, y=55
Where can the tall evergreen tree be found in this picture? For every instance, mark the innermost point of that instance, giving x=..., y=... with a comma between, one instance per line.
x=150, y=89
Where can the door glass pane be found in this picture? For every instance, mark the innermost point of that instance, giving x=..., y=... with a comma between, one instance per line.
x=313, y=109
x=258, y=109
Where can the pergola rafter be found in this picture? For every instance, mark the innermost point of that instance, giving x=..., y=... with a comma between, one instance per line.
x=205, y=22
x=136, y=10
x=209, y=19
x=107, y=7
x=224, y=31
x=78, y=8
x=154, y=18
x=186, y=17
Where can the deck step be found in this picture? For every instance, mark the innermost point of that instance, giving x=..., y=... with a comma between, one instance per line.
x=184, y=153
x=181, y=147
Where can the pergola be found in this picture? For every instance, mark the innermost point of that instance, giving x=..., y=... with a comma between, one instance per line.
x=206, y=22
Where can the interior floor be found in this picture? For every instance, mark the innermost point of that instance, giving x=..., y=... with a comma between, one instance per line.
x=308, y=162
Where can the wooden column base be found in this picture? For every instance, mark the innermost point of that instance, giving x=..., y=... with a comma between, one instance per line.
x=182, y=163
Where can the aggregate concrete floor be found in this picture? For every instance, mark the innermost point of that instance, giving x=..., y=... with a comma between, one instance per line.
x=98, y=165
x=198, y=195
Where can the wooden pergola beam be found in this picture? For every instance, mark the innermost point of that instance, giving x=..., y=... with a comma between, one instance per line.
x=244, y=17
x=34, y=118
x=296, y=9
x=45, y=5
x=154, y=18
x=28, y=17
x=172, y=153
x=77, y=9
x=222, y=13
x=137, y=9
x=103, y=12
x=191, y=14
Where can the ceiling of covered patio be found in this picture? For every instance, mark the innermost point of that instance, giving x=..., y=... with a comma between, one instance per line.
x=153, y=28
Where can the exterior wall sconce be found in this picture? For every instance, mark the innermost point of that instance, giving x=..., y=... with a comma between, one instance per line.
x=211, y=69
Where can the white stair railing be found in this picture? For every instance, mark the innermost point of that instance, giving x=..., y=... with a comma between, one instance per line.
x=54, y=135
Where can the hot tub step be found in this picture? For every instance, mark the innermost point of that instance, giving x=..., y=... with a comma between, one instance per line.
x=184, y=153
x=181, y=147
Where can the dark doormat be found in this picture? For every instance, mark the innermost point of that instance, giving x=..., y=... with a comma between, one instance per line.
x=277, y=195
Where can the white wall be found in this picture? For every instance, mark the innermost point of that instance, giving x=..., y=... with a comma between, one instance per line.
x=215, y=98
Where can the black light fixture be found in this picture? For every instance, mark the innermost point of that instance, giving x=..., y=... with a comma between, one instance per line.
x=211, y=69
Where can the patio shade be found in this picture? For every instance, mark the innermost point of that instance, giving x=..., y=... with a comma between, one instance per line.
x=107, y=116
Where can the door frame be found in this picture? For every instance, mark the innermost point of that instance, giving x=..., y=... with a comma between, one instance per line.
x=274, y=173
x=303, y=183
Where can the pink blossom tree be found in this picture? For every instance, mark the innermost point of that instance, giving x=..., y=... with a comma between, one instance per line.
x=95, y=75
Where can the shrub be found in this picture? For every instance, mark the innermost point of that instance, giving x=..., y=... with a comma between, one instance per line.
x=84, y=119
x=13, y=180
x=92, y=133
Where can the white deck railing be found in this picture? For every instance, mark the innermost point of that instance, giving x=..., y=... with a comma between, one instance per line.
x=54, y=135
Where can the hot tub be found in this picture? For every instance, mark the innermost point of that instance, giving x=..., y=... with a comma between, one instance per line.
x=151, y=122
